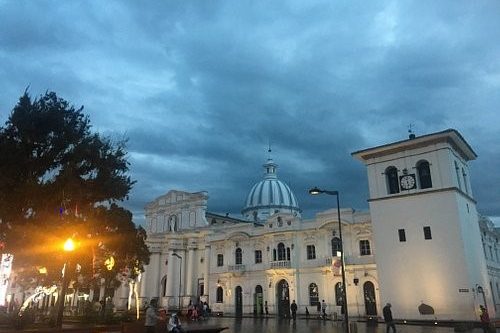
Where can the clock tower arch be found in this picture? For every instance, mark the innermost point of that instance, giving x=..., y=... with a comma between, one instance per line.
x=425, y=225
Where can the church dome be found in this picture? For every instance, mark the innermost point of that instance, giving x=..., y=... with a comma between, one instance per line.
x=270, y=196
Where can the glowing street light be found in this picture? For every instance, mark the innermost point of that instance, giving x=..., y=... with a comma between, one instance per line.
x=316, y=191
x=68, y=247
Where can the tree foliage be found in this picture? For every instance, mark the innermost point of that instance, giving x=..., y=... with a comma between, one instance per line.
x=60, y=180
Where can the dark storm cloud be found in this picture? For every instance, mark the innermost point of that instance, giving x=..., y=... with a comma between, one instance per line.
x=201, y=88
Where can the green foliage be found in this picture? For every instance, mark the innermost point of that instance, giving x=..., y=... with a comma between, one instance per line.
x=60, y=180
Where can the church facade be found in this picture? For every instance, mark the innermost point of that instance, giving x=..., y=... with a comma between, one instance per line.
x=420, y=247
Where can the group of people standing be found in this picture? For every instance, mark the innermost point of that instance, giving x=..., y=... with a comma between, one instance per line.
x=197, y=311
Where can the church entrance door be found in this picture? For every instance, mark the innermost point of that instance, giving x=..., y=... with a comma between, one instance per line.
x=258, y=301
x=283, y=299
x=238, y=301
x=370, y=301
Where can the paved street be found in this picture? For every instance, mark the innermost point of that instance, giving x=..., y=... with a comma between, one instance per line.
x=260, y=325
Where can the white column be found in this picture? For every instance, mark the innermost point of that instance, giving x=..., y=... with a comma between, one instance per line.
x=206, y=269
x=170, y=274
x=144, y=277
x=181, y=273
x=156, y=265
x=189, y=272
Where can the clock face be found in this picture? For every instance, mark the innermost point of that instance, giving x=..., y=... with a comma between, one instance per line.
x=407, y=182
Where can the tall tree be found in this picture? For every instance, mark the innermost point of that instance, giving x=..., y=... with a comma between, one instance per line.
x=60, y=180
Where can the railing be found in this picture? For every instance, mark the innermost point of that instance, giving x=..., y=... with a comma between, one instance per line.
x=281, y=264
x=236, y=268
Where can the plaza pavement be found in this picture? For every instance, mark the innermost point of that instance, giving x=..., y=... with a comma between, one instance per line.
x=257, y=325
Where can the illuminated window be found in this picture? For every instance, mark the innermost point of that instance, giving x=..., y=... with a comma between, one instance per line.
x=313, y=294
x=338, y=294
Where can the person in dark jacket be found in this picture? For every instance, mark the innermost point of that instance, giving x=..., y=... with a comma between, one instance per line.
x=388, y=318
x=293, y=307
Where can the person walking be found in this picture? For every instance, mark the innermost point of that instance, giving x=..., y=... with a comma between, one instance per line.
x=266, y=308
x=323, y=309
x=293, y=307
x=318, y=308
x=388, y=318
x=485, y=319
x=152, y=316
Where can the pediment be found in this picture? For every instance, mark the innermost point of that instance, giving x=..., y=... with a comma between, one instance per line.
x=238, y=236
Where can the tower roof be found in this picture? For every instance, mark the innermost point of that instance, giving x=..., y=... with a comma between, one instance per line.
x=451, y=136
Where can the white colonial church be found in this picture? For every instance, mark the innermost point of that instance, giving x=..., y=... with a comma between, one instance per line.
x=420, y=247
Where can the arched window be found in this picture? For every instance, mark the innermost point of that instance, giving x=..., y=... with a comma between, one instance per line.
x=424, y=174
x=238, y=257
x=164, y=286
x=338, y=293
x=391, y=176
x=336, y=246
x=370, y=300
x=281, y=251
x=220, y=295
x=313, y=294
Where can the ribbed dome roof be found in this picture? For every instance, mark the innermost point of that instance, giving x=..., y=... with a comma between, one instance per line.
x=270, y=196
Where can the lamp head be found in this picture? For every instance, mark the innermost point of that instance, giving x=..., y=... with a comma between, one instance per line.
x=69, y=245
x=315, y=191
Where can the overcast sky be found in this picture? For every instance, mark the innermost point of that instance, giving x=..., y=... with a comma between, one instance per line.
x=201, y=87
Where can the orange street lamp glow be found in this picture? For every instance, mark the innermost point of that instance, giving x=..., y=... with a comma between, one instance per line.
x=69, y=245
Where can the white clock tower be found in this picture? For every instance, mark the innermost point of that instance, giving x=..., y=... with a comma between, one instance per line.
x=426, y=227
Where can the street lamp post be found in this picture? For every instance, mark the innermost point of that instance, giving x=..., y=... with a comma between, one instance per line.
x=480, y=290
x=180, y=278
x=68, y=247
x=316, y=191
